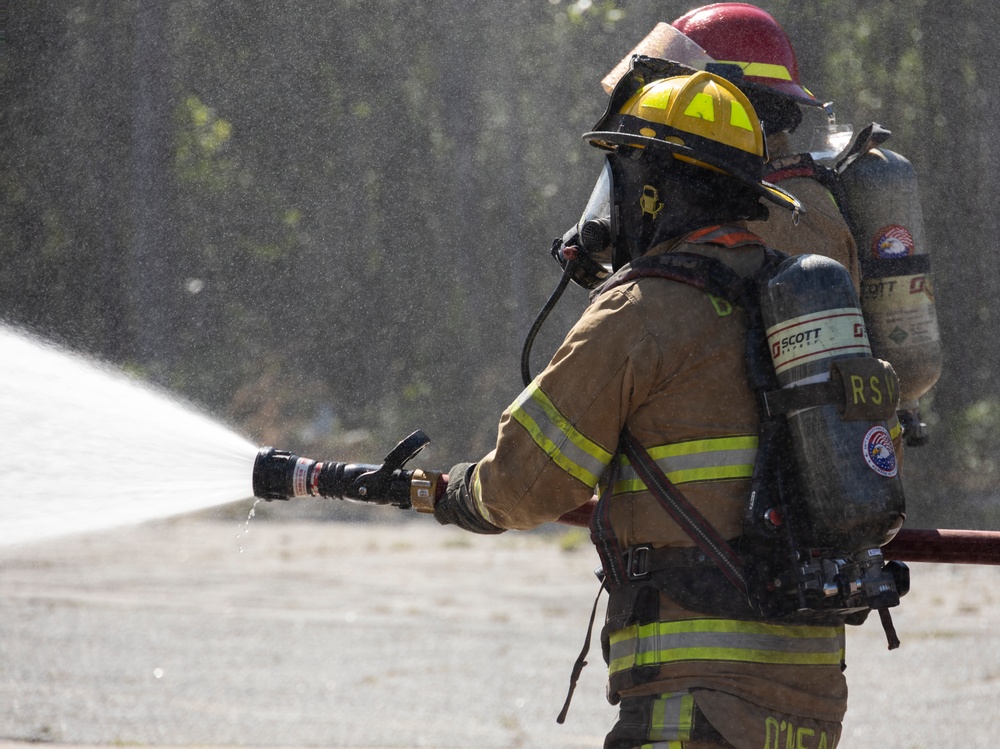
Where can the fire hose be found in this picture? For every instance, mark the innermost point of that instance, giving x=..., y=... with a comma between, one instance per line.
x=280, y=475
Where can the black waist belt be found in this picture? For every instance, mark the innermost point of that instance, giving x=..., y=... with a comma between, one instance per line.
x=642, y=560
x=688, y=576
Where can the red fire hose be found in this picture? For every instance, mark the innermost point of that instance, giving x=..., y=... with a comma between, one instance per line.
x=909, y=545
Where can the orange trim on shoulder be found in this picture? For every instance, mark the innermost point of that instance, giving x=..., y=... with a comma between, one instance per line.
x=726, y=236
x=699, y=233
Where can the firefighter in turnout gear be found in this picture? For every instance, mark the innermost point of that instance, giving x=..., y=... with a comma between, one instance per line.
x=746, y=36
x=661, y=364
x=875, y=188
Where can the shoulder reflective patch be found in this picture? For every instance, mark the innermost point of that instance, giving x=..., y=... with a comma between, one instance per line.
x=568, y=448
x=702, y=106
x=723, y=307
x=727, y=236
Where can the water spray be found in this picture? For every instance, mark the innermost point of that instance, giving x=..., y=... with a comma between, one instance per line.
x=109, y=443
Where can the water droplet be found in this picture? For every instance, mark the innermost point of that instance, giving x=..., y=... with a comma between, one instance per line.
x=158, y=673
x=246, y=526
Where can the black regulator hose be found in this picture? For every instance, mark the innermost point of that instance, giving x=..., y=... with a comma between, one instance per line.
x=543, y=313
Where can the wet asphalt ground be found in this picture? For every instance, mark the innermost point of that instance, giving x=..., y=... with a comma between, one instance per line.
x=203, y=631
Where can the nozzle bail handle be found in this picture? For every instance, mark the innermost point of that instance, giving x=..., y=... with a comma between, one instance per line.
x=376, y=483
x=405, y=450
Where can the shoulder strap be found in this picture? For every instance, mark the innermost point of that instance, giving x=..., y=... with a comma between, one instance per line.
x=684, y=513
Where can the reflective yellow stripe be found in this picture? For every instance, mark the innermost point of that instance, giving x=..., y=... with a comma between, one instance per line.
x=701, y=107
x=895, y=428
x=477, y=497
x=738, y=116
x=671, y=718
x=570, y=449
x=661, y=643
x=762, y=69
x=715, y=459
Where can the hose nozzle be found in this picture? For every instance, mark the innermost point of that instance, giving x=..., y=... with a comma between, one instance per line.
x=278, y=474
x=274, y=473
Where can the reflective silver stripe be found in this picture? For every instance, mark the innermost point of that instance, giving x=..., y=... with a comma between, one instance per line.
x=568, y=448
x=714, y=459
x=476, y=490
x=661, y=643
x=671, y=717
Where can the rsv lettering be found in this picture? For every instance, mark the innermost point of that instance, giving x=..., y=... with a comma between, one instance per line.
x=877, y=390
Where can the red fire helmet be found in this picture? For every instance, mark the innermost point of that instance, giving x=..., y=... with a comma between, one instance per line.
x=743, y=34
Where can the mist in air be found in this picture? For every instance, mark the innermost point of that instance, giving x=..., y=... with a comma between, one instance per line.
x=328, y=223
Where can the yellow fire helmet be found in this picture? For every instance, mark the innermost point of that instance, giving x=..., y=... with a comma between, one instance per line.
x=699, y=118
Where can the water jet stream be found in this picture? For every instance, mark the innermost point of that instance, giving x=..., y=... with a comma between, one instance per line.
x=86, y=447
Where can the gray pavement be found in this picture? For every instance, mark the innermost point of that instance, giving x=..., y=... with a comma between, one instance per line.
x=190, y=632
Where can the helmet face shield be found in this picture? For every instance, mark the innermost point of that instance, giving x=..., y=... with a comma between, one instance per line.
x=595, y=228
x=593, y=233
x=664, y=42
x=588, y=244
x=599, y=205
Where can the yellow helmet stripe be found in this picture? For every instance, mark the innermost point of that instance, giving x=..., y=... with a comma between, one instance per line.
x=738, y=116
x=702, y=107
x=762, y=69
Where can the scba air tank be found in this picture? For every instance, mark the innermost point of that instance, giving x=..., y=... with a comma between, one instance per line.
x=850, y=492
x=897, y=291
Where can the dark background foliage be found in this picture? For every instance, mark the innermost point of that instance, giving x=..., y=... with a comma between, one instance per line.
x=328, y=221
